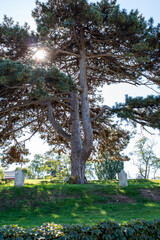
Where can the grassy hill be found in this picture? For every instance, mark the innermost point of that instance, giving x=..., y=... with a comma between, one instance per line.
x=44, y=201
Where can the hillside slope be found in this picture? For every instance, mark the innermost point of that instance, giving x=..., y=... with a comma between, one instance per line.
x=44, y=201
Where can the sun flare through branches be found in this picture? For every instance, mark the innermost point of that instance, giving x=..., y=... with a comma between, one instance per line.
x=40, y=55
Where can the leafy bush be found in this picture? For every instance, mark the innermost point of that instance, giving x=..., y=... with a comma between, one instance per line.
x=142, y=229
x=134, y=230
x=1, y=174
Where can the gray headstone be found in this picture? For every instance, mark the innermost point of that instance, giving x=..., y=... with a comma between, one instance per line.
x=123, y=179
x=19, y=179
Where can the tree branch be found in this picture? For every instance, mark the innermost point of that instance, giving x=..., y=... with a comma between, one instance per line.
x=66, y=52
x=18, y=129
x=56, y=126
x=105, y=55
x=100, y=113
x=36, y=102
x=29, y=137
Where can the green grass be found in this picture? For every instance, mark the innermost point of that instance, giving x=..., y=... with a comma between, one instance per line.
x=43, y=201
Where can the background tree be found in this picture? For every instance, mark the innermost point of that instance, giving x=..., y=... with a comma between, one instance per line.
x=90, y=170
x=93, y=44
x=37, y=166
x=156, y=167
x=57, y=165
x=145, y=157
x=108, y=168
x=1, y=170
x=1, y=174
x=26, y=171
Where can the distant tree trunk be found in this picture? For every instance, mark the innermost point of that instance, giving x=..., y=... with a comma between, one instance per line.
x=146, y=170
x=154, y=174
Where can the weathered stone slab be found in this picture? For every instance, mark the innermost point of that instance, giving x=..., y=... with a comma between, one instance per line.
x=123, y=179
x=19, y=179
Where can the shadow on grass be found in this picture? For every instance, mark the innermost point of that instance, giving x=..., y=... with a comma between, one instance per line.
x=68, y=213
x=63, y=203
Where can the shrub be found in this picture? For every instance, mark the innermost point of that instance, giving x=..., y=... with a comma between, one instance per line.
x=1, y=174
x=105, y=230
x=142, y=229
x=73, y=180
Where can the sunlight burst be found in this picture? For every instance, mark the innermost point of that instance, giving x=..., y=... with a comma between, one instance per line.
x=40, y=55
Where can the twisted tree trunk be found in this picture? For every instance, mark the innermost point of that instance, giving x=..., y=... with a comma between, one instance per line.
x=80, y=152
x=81, y=137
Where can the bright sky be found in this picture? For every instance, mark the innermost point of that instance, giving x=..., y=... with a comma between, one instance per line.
x=20, y=11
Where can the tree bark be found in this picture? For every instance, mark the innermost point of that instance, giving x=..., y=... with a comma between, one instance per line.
x=76, y=143
x=81, y=137
x=80, y=152
x=87, y=127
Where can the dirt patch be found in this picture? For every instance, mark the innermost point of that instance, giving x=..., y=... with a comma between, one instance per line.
x=119, y=198
x=151, y=194
x=116, y=198
x=61, y=196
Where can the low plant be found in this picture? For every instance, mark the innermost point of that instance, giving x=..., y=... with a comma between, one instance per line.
x=110, y=230
x=1, y=174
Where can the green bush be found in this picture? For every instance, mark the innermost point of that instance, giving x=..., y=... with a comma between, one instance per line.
x=105, y=230
x=73, y=180
x=1, y=174
x=49, y=177
x=142, y=229
x=2, y=181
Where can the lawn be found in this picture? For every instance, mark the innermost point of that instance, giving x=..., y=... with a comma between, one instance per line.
x=44, y=201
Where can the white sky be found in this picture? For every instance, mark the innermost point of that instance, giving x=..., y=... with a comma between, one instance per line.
x=20, y=11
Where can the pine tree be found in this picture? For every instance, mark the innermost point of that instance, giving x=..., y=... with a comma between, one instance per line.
x=92, y=44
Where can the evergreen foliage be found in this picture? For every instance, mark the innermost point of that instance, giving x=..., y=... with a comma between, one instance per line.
x=145, y=111
x=15, y=40
x=108, y=168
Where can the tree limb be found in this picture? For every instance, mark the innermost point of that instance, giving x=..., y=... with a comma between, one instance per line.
x=105, y=55
x=35, y=102
x=66, y=52
x=56, y=126
x=18, y=129
x=100, y=113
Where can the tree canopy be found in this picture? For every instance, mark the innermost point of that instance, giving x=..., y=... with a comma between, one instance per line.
x=15, y=40
x=88, y=45
x=145, y=111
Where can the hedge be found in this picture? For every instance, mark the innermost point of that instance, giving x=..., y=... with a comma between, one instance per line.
x=104, y=230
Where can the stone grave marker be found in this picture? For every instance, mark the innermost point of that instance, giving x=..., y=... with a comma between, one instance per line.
x=19, y=179
x=123, y=179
